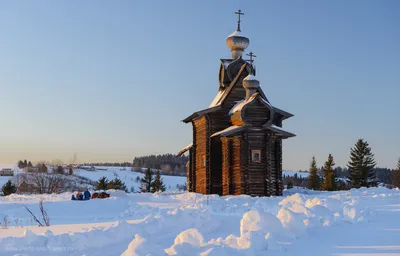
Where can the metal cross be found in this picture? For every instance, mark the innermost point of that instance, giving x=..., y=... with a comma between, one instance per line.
x=251, y=54
x=239, y=12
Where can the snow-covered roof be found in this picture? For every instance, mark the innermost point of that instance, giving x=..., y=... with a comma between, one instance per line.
x=279, y=130
x=222, y=95
x=240, y=104
x=250, y=77
x=228, y=131
x=217, y=99
x=183, y=150
x=236, y=33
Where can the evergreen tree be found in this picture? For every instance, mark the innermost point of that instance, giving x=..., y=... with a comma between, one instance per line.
x=9, y=188
x=361, y=165
x=59, y=170
x=71, y=171
x=396, y=175
x=25, y=163
x=42, y=167
x=101, y=184
x=329, y=183
x=117, y=184
x=313, y=178
x=148, y=180
x=289, y=185
x=158, y=183
x=30, y=164
x=20, y=164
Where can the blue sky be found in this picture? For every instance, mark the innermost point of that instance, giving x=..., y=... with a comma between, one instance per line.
x=112, y=80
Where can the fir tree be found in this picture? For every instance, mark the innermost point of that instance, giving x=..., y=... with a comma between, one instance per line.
x=289, y=185
x=396, y=175
x=361, y=165
x=25, y=163
x=30, y=164
x=148, y=180
x=117, y=184
x=71, y=171
x=9, y=188
x=329, y=183
x=20, y=164
x=59, y=170
x=101, y=184
x=42, y=167
x=313, y=178
x=158, y=183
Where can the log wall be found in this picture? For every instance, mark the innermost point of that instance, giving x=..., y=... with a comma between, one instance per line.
x=200, y=146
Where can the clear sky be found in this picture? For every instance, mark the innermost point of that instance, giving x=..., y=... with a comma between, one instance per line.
x=110, y=80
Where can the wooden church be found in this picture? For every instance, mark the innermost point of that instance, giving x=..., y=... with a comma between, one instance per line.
x=237, y=140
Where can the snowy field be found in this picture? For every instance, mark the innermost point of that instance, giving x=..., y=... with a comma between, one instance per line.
x=348, y=223
x=125, y=174
x=128, y=176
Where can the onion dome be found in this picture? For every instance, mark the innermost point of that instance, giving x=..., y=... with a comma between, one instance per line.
x=250, y=84
x=236, y=41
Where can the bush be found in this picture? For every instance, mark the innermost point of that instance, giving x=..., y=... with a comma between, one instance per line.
x=117, y=184
x=101, y=184
x=9, y=188
x=59, y=170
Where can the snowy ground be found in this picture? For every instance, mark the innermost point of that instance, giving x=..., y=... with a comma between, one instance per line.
x=347, y=223
x=123, y=173
x=129, y=177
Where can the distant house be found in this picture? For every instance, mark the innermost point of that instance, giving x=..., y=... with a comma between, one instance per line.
x=26, y=187
x=6, y=172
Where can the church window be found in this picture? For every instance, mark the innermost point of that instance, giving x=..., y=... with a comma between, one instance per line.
x=256, y=155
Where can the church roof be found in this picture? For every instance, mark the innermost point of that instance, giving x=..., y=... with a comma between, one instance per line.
x=280, y=131
x=222, y=95
x=231, y=130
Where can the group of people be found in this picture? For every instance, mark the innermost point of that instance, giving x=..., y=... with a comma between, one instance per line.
x=87, y=196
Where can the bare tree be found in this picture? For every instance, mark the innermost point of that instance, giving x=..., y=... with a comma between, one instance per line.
x=43, y=212
x=45, y=216
x=48, y=183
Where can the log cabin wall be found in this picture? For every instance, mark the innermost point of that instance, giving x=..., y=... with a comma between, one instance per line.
x=216, y=166
x=200, y=147
x=208, y=156
x=226, y=166
x=256, y=114
x=256, y=170
x=279, y=183
x=273, y=170
x=237, y=178
x=268, y=178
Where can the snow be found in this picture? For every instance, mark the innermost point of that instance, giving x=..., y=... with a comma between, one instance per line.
x=183, y=150
x=236, y=33
x=302, y=222
x=126, y=175
x=227, y=130
x=217, y=99
x=250, y=77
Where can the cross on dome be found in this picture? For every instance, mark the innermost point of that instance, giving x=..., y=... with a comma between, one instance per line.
x=251, y=54
x=239, y=12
